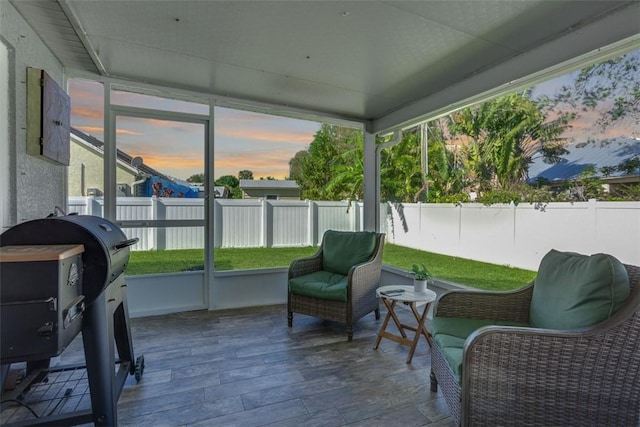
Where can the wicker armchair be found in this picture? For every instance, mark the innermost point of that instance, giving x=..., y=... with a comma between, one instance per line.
x=529, y=376
x=361, y=280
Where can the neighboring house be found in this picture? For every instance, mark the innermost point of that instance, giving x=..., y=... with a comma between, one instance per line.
x=220, y=192
x=270, y=189
x=608, y=154
x=86, y=165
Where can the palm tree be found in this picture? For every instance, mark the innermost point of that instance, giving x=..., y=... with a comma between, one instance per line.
x=502, y=136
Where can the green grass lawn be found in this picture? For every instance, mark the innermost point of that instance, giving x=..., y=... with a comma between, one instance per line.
x=471, y=273
x=478, y=274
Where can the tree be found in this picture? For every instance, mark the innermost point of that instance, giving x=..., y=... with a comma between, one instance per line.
x=401, y=174
x=228, y=181
x=318, y=167
x=588, y=185
x=447, y=179
x=500, y=138
x=232, y=184
x=295, y=165
x=245, y=174
x=197, y=178
x=348, y=179
x=611, y=86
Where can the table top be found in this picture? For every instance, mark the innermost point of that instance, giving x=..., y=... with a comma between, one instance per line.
x=26, y=253
x=407, y=294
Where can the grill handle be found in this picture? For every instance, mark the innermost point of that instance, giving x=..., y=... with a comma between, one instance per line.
x=126, y=243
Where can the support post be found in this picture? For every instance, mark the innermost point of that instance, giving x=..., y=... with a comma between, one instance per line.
x=371, y=177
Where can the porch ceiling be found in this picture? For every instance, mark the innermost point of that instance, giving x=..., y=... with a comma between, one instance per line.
x=385, y=63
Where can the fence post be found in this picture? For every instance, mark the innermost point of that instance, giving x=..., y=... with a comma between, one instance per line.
x=592, y=205
x=267, y=223
x=159, y=233
x=514, y=224
x=263, y=223
x=311, y=224
x=356, y=216
x=459, y=212
x=218, y=229
x=88, y=205
x=352, y=215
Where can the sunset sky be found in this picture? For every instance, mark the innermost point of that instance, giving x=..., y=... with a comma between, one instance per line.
x=261, y=143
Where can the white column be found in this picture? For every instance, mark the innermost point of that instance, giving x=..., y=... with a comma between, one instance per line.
x=109, y=184
x=371, y=176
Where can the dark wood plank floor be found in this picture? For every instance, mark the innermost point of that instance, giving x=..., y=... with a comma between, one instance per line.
x=246, y=368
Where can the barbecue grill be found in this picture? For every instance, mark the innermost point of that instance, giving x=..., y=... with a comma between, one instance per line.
x=84, y=283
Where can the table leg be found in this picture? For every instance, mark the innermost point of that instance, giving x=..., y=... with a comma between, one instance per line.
x=421, y=318
x=383, y=328
x=394, y=316
x=420, y=329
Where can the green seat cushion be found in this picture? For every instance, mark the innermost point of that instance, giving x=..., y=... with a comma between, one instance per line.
x=320, y=284
x=450, y=334
x=453, y=356
x=574, y=291
x=341, y=250
x=462, y=327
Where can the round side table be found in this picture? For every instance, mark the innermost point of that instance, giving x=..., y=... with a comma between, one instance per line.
x=390, y=296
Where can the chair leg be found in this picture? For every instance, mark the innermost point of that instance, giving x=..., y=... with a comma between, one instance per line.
x=290, y=318
x=434, y=383
x=377, y=313
x=349, y=333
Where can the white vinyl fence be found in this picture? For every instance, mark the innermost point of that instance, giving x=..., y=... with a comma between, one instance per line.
x=238, y=223
x=501, y=234
x=520, y=235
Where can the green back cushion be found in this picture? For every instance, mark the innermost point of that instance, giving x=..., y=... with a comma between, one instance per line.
x=575, y=291
x=343, y=249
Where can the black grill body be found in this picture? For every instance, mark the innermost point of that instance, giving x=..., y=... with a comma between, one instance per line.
x=41, y=300
x=105, y=319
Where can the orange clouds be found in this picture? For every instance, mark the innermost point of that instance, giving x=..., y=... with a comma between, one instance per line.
x=99, y=130
x=163, y=162
x=268, y=135
x=258, y=142
x=262, y=164
x=586, y=127
x=91, y=130
x=87, y=113
x=121, y=131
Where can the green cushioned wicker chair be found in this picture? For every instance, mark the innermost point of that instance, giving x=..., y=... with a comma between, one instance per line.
x=339, y=282
x=564, y=350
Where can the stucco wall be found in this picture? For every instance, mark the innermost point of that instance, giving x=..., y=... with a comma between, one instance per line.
x=90, y=161
x=36, y=185
x=5, y=177
x=84, y=159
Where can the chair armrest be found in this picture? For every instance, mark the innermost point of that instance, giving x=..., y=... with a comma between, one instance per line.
x=307, y=265
x=511, y=305
x=549, y=377
x=364, y=278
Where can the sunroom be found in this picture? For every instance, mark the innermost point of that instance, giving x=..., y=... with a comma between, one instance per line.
x=379, y=67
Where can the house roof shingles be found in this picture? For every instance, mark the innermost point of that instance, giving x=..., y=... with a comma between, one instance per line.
x=610, y=152
x=269, y=184
x=122, y=156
